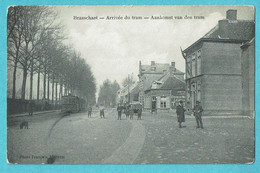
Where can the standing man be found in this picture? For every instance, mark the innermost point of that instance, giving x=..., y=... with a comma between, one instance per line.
x=31, y=107
x=127, y=111
x=102, y=111
x=89, y=111
x=197, y=110
x=119, y=111
x=180, y=113
x=139, y=113
x=131, y=112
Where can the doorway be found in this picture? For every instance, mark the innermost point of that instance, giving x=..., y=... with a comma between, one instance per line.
x=154, y=103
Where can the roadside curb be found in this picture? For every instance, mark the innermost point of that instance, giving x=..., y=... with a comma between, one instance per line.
x=26, y=114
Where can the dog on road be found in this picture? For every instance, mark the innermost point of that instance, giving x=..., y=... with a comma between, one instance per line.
x=24, y=125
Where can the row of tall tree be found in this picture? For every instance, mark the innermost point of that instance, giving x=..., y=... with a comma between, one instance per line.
x=108, y=93
x=36, y=46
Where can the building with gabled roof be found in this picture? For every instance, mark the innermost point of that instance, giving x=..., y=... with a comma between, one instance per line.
x=128, y=94
x=165, y=93
x=158, y=73
x=213, y=66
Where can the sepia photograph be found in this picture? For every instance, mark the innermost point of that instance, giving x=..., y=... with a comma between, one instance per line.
x=131, y=84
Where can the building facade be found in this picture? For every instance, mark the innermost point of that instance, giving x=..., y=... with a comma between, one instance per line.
x=248, y=77
x=128, y=94
x=213, y=66
x=165, y=93
x=160, y=97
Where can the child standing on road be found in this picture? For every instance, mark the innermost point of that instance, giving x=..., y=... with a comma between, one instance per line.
x=102, y=111
x=119, y=111
x=31, y=107
x=89, y=111
x=127, y=111
x=139, y=114
x=131, y=113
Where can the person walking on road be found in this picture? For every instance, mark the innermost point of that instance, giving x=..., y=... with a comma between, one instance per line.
x=127, y=111
x=89, y=111
x=197, y=110
x=139, y=113
x=30, y=107
x=131, y=113
x=102, y=111
x=180, y=113
x=119, y=111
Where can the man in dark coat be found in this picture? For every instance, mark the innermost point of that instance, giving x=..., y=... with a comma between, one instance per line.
x=30, y=107
x=119, y=111
x=180, y=113
x=197, y=110
x=131, y=112
x=139, y=113
x=127, y=111
x=89, y=111
x=102, y=111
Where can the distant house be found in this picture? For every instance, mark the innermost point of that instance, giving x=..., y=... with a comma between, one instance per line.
x=165, y=92
x=148, y=74
x=128, y=94
x=213, y=66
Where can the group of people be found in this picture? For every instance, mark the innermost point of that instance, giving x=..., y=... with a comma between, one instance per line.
x=129, y=111
x=101, y=110
x=197, y=112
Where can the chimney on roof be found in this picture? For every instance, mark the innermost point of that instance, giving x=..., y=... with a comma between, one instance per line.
x=173, y=64
x=172, y=68
x=152, y=63
x=231, y=14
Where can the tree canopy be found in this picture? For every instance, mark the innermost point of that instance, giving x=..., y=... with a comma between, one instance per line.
x=36, y=45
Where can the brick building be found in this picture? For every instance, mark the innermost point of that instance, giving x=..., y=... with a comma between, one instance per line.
x=248, y=77
x=150, y=73
x=165, y=93
x=213, y=66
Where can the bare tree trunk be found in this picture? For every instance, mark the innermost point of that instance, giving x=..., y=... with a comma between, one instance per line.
x=25, y=68
x=65, y=88
x=48, y=89
x=38, y=85
x=52, y=89
x=31, y=82
x=14, y=80
x=56, y=94
x=24, y=83
x=61, y=86
x=44, y=84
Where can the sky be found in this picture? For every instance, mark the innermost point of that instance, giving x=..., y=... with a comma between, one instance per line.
x=113, y=48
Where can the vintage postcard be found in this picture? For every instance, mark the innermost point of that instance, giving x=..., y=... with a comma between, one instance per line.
x=130, y=84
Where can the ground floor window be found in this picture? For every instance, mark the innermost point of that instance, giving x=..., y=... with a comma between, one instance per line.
x=198, y=92
x=173, y=103
x=154, y=102
x=163, y=101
